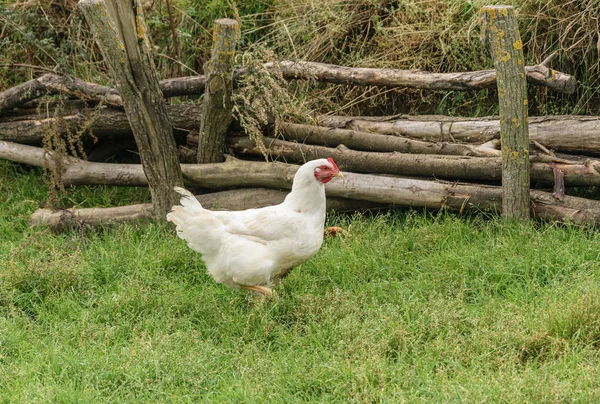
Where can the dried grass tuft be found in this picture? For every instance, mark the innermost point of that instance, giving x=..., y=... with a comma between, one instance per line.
x=263, y=99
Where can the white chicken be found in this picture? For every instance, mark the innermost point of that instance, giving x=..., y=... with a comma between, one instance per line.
x=251, y=249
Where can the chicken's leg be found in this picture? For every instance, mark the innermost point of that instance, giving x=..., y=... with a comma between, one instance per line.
x=263, y=290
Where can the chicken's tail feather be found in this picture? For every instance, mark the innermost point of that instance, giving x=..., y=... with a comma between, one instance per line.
x=188, y=200
x=177, y=216
x=189, y=206
x=196, y=225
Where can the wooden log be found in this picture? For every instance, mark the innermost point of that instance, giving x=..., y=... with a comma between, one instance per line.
x=120, y=31
x=298, y=70
x=463, y=168
x=78, y=172
x=223, y=175
x=579, y=173
x=183, y=86
x=571, y=209
x=51, y=83
x=569, y=134
x=218, y=101
x=226, y=200
x=194, y=85
x=80, y=89
x=360, y=187
x=239, y=199
x=358, y=140
x=434, y=128
x=64, y=219
x=21, y=94
x=502, y=34
x=101, y=122
x=539, y=75
x=234, y=174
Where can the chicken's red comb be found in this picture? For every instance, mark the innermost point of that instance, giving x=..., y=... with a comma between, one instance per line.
x=333, y=163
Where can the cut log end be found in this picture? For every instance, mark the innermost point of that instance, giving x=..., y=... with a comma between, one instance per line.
x=570, y=83
x=89, y=3
x=226, y=22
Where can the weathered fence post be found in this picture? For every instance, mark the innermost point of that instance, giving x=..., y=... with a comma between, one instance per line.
x=218, y=103
x=121, y=33
x=501, y=30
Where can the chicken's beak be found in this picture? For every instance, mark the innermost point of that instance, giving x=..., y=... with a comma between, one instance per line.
x=338, y=174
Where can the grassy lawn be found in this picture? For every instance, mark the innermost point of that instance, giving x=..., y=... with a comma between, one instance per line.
x=414, y=307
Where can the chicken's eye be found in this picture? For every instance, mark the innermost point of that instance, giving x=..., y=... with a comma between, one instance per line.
x=324, y=168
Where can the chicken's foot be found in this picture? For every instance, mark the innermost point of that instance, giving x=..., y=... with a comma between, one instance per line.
x=334, y=231
x=263, y=290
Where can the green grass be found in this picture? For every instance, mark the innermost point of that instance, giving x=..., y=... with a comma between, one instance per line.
x=414, y=307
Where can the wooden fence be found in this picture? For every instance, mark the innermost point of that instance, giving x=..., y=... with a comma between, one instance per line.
x=428, y=161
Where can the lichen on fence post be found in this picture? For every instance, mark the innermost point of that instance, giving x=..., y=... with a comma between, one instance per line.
x=218, y=103
x=501, y=31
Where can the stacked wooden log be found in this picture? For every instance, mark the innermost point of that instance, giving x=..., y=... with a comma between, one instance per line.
x=428, y=161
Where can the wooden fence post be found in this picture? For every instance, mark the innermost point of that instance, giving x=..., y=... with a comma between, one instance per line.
x=501, y=31
x=218, y=103
x=121, y=33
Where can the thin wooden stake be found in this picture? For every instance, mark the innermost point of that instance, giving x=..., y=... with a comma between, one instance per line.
x=218, y=103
